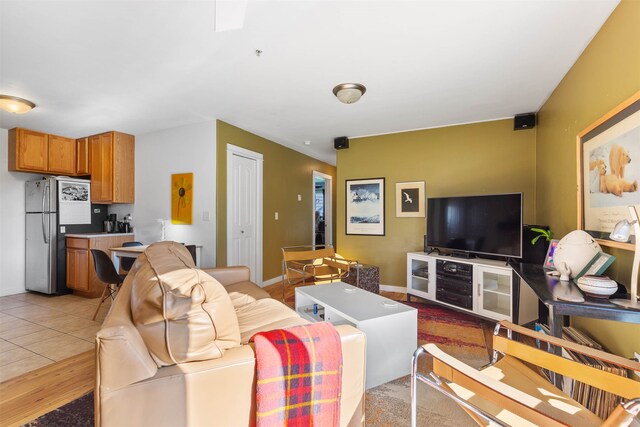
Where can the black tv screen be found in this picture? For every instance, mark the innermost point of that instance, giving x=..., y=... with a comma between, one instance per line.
x=489, y=224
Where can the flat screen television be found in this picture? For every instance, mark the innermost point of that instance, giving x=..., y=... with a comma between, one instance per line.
x=490, y=224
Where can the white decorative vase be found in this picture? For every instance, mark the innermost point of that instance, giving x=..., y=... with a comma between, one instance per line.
x=573, y=253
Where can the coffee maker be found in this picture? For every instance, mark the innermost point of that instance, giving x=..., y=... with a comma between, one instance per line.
x=110, y=224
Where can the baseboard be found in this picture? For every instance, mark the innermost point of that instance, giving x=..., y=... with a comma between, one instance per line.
x=389, y=288
x=271, y=281
x=12, y=291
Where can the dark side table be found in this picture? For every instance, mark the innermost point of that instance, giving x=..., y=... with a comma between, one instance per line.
x=547, y=288
x=364, y=276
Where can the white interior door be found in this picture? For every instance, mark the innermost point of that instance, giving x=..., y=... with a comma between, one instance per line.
x=244, y=210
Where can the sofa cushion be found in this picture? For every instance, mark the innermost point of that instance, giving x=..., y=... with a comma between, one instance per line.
x=245, y=292
x=182, y=313
x=264, y=315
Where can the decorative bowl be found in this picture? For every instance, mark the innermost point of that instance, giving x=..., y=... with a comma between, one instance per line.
x=597, y=286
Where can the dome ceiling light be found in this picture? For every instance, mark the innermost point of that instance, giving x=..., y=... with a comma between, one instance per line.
x=348, y=93
x=16, y=105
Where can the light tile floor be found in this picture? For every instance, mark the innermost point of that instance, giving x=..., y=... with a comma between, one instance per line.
x=36, y=330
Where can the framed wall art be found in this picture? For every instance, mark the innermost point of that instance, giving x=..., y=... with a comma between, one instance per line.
x=410, y=199
x=609, y=171
x=365, y=207
x=182, y=198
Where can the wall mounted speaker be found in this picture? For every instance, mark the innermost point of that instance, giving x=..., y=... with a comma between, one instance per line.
x=524, y=121
x=341, y=142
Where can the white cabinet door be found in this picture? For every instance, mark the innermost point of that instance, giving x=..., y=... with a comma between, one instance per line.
x=421, y=276
x=493, y=292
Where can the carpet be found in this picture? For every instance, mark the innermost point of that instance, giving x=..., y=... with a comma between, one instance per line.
x=459, y=334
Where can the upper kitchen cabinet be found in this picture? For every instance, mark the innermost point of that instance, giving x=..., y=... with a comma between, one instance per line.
x=28, y=150
x=83, y=156
x=62, y=155
x=32, y=151
x=112, y=167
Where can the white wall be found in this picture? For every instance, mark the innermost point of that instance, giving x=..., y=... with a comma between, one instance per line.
x=185, y=149
x=12, y=220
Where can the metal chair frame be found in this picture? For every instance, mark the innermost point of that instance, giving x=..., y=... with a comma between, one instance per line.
x=625, y=410
x=315, y=261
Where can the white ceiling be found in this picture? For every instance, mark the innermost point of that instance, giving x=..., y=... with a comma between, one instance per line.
x=142, y=66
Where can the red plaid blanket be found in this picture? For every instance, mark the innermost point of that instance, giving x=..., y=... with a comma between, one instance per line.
x=299, y=376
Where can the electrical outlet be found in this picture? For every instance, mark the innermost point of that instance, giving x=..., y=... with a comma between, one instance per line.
x=299, y=197
x=636, y=356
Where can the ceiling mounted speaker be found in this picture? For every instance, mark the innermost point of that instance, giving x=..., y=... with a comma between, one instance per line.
x=524, y=121
x=341, y=142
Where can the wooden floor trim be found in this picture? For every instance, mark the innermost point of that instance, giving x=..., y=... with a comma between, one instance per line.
x=28, y=396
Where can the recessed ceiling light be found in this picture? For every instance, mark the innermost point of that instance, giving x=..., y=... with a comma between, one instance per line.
x=348, y=93
x=16, y=105
x=307, y=143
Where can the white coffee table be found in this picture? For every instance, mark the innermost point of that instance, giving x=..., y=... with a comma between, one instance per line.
x=391, y=327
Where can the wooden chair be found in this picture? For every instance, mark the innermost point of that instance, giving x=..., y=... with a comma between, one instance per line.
x=317, y=263
x=509, y=392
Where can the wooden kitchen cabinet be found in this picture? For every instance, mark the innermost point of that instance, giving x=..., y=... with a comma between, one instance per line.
x=83, y=156
x=28, y=150
x=78, y=269
x=32, y=151
x=112, y=168
x=62, y=155
x=81, y=273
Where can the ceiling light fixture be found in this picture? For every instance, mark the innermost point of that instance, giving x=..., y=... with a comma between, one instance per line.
x=348, y=93
x=16, y=105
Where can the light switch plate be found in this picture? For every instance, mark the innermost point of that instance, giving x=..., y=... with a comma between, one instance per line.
x=299, y=197
x=63, y=229
x=276, y=215
x=205, y=216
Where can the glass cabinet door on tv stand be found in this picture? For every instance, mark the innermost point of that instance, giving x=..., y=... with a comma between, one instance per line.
x=494, y=292
x=421, y=276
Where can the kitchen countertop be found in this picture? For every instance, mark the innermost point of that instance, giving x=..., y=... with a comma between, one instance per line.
x=94, y=235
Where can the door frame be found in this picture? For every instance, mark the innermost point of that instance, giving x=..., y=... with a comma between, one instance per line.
x=233, y=150
x=328, y=207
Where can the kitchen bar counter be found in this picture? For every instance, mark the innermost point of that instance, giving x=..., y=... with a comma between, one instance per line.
x=95, y=235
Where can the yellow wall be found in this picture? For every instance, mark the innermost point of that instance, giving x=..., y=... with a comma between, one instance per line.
x=607, y=73
x=480, y=158
x=286, y=173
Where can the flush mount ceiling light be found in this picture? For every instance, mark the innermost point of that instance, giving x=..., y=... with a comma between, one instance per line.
x=348, y=93
x=16, y=105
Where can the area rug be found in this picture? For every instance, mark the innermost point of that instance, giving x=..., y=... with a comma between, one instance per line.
x=389, y=404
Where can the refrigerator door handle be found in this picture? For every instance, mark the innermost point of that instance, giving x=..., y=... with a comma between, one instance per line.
x=44, y=230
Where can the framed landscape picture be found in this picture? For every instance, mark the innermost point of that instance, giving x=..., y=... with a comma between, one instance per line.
x=609, y=171
x=365, y=207
x=410, y=199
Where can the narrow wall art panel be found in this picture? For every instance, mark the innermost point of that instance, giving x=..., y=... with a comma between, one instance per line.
x=182, y=198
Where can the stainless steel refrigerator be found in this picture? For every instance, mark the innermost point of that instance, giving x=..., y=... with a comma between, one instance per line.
x=56, y=206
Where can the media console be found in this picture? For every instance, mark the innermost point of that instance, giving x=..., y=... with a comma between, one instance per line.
x=484, y=287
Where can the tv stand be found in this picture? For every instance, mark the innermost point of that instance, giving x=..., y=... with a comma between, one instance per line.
x=484, y=287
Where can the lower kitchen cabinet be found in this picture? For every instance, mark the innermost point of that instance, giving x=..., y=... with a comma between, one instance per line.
x=81, y=273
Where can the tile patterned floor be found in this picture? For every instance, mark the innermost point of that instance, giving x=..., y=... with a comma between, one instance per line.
x=36, y=330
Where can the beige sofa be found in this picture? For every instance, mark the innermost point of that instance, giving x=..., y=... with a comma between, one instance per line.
x=153, y=366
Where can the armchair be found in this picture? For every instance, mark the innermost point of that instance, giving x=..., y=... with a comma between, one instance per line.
x=509, y=392
x=313, y=262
